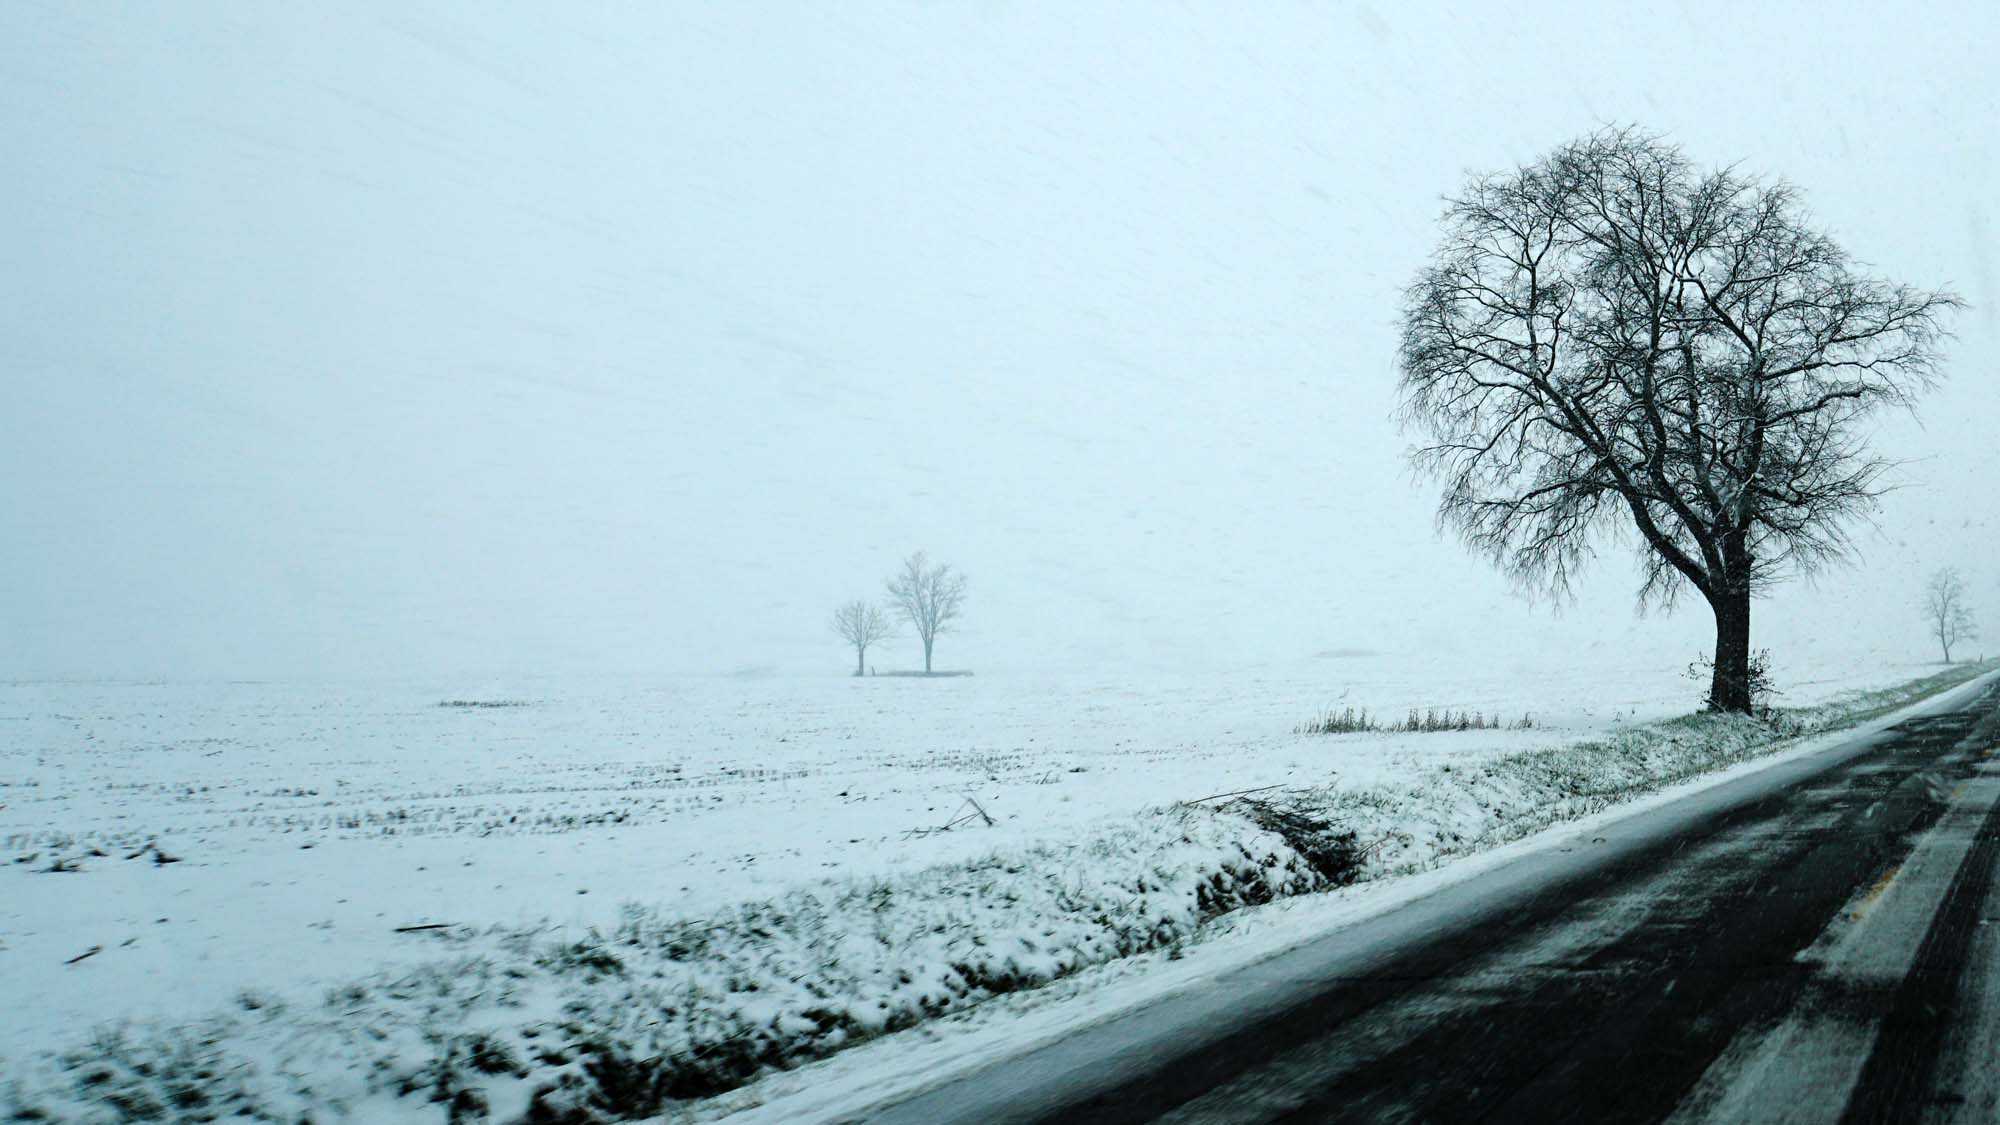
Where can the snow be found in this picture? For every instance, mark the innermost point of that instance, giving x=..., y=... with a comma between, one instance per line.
x=848, y=1086
x=310, y=821
x=515, y=353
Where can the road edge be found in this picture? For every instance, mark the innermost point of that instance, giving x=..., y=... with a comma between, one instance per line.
x=856, y=1084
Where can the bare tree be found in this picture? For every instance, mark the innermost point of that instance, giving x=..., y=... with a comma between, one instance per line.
x=930, y=597
x=1611, y=340
x=1945, y=610
x=861, y=625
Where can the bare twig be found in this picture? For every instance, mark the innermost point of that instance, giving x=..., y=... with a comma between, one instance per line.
x=1379, y=841
x=1233, y=793
x=954, y=822
x=980, y=811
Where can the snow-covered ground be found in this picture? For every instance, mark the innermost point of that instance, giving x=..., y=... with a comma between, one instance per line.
x=308, y=822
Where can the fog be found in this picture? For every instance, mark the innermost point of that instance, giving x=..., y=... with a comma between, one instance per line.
x=422, y=339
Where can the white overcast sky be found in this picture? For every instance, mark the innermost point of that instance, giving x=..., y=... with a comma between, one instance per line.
x=411, y=338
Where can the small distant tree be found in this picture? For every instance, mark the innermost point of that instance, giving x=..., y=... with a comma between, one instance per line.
x=1945, y=610
x=929, y=597
x=861, y=625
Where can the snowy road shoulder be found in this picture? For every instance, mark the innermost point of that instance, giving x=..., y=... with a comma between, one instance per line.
x=858, y=1084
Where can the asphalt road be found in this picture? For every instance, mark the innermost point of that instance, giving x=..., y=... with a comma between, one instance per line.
x=1816, y=942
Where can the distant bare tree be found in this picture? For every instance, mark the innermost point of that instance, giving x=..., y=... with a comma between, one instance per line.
x=1945, y=610
x=861, y=625
x=930, y=597
x=1612, y=340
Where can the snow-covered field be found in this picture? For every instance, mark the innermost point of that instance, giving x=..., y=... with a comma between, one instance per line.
x=306, y=823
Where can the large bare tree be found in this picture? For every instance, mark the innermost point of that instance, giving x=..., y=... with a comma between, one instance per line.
x=930, y=598
x=1945, y=611
x=1611, y=340
x=861, y=625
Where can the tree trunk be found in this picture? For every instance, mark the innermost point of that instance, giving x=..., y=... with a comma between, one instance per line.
x=860, y=651
x=1730, y=688
x=927, y=656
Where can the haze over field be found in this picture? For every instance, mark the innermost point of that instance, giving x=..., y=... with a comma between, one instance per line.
x=442, y=340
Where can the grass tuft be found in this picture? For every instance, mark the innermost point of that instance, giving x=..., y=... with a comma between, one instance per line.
x=1430, y=720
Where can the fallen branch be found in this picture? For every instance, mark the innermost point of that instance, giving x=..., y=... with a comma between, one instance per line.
x=1233, y=793
x=425, y=926
x=980, y=811
x=954, y=822
x=85, y=955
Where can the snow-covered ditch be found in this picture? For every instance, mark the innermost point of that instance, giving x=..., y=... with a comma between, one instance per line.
x=665, y=1005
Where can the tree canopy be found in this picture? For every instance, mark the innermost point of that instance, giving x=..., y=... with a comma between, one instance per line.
x=1613, y=340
